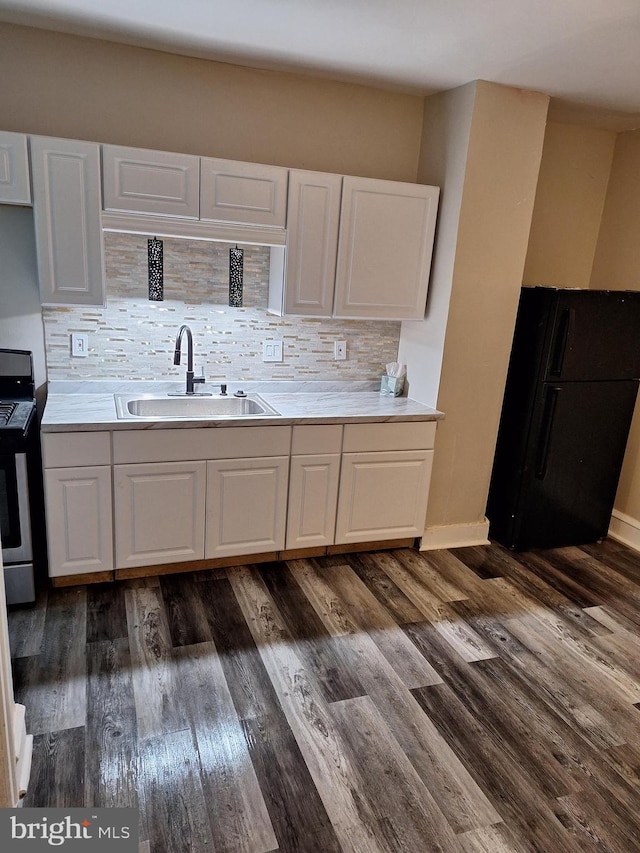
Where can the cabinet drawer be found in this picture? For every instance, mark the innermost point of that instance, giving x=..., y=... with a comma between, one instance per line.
x=181, y=445
x=75, y=449
x=410, y=435
x=316, y=439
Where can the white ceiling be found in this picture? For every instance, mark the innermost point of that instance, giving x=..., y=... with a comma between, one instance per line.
x=583, y=52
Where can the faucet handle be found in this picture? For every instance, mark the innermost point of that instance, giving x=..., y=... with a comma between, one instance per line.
x=223, y=390
x=202, y=378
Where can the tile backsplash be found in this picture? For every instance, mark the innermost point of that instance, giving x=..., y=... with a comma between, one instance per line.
x=133, y=338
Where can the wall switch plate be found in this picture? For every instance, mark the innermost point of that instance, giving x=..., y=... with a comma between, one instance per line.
x=340, y=350
x=272, y=350
x=79, y=345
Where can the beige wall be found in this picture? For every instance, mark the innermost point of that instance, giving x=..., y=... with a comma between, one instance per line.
x=617, y=258
x=570, y=197
x=443, y=158
x=503, y=138
x=617, y=266
x=60, y=85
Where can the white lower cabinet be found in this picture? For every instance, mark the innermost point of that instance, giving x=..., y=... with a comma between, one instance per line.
x=159, y=513
x=313, y=485
x=246, y=505
x=383, y=495
x=192, y=494
x=79, y=520
x=384, y=481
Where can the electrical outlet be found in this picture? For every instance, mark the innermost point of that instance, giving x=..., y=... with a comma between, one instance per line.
x=272, y=350
x=340, y=350
x=79, y=345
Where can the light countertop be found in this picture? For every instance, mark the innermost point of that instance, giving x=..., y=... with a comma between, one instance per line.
x=90, y=405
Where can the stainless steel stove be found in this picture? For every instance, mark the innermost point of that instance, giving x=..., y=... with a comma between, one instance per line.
x=18, y=458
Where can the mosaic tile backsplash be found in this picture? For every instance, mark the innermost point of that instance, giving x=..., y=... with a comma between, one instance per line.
x=133, y=338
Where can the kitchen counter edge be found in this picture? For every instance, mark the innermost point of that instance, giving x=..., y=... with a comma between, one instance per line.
x=93, y=412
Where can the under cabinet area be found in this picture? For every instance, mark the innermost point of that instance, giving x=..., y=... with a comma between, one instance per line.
x=130, y=499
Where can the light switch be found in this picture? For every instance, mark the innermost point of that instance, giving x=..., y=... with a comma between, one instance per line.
x=79, y=345
x=340, y=350
x=272, y=350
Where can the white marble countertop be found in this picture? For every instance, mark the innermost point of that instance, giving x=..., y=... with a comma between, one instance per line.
x=90, y=405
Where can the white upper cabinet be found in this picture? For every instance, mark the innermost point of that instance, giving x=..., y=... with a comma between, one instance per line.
x=68, y=228
x=156, y=182
x=357, y=248
x=313, y=219
x=247, y=193
x=14, y=169
x=384, y=250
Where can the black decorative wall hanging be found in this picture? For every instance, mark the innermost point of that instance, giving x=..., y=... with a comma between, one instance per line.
x=236, y=270
x=156, y=272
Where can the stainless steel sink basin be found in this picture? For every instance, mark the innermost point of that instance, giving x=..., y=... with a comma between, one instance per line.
x=163, y=407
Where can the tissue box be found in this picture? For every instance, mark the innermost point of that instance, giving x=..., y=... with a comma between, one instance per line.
x=391, y=386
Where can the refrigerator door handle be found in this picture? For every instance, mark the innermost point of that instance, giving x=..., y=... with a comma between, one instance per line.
x=544, y=441
x=560, y=343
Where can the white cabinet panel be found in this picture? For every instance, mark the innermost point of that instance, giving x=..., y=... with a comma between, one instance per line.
x=313, y=498
x=246, y=505
x=157, y=182
x=159, y=513
x=384, y=253
x=76, y=449
x=313, y=217
x=15, y=187
x=249, y=193
x=383, y=495
x=66, y=201
x=79, y=520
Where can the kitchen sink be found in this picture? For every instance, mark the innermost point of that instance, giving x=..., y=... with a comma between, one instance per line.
x=193, y=408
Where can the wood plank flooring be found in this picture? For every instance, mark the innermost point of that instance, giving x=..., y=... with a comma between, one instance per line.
x=464, y=701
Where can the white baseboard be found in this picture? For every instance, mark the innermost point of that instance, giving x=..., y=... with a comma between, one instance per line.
x=625, y=529
x=455, y=536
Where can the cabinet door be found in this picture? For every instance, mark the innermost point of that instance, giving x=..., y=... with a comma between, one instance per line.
x=79, y=520
x=159, y=513
x=141, y=181
x=313, y=216
x=66, y=202
x=14, y=169
x=249, y=193
x=313, y=498
x=246, y=505
x=384, y=251
x=383, y=495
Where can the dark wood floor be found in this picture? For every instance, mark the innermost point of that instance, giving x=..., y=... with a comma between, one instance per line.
x=466, y=700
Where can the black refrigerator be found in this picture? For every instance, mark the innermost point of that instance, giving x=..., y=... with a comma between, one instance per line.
x=569, y=399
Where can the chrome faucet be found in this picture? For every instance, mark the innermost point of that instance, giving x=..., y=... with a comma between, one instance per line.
x=191, y=380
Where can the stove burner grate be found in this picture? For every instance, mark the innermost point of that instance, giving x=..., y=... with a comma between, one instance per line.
x=6, y=410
